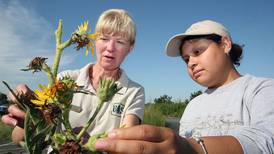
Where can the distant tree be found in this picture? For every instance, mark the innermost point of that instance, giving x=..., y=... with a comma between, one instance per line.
x=163, y=99
x=3, y=99
x=195, y=94
x=186, y=101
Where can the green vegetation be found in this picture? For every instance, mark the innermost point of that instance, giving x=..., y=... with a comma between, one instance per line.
x=153, y=116
x=5, y=132
x=3, y=99
x=163, y=107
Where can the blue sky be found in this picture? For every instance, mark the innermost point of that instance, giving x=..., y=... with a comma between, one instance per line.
x=27, y=30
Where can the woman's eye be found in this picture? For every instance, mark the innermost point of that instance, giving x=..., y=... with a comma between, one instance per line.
x=197, y=52
x=185, y=59
x=122, y=42
x=103, y=38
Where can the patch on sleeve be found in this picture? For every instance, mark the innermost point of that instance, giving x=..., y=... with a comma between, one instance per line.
x=77, y=109
x=117, y=109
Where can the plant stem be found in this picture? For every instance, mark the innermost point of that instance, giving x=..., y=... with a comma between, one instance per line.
x=65, y=44
x=58, y=34
x=15, y=96
x=59, y=48
x=47, y=70
x=84, y=129
x=66, y=120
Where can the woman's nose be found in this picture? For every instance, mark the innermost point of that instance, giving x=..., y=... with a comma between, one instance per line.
x=192, y=62
x=111, y=45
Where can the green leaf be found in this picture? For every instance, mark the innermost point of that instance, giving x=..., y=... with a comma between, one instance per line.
x=91, y=141
x=28, y=131
x=42, y=134
x=59, y=138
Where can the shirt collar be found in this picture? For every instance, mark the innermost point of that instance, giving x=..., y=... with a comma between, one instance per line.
x=83, y=80
x=122, y=82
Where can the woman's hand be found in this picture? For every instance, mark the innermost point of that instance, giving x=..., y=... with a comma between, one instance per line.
x=16, y=116
x=144, y=139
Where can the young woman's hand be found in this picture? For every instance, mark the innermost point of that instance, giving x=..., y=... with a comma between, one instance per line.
x=143, y=139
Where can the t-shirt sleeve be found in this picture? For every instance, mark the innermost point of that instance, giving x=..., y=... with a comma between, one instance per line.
x=137, y=105
x=68, y=73
x=258, y=137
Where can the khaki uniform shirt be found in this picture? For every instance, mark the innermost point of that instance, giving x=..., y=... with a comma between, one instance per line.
x=129, y=99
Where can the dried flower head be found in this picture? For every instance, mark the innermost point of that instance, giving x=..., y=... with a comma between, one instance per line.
x=51, y=112
x=82, y=38
x=70, y=147
x=36, y=64
x=65, y=89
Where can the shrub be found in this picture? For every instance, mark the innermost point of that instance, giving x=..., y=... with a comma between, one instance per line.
x=163, y=99
x=153, y=116
x=5, y=132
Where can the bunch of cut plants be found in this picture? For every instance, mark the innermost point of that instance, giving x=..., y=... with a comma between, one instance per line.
x=52, y=102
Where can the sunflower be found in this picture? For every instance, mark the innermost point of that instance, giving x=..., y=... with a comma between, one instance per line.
x=83, y=38
x=44, y=95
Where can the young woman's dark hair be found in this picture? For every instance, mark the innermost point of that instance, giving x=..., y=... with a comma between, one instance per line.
x=235, y=53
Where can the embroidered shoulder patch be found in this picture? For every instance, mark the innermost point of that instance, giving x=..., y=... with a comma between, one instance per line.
x=117, y=109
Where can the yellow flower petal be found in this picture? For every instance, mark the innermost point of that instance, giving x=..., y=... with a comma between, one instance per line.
x=38, y=102
x=44, y=95
x=87, y=51
x=82, y=28
x=90, y=47
x=93, y=36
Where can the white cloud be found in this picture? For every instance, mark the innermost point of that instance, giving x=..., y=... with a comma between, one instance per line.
x=23, y=35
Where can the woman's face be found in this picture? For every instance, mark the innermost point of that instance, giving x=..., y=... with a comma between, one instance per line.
x=207, y=61
x=111, y=51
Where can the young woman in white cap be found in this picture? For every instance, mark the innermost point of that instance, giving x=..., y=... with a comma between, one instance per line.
x=234, y=115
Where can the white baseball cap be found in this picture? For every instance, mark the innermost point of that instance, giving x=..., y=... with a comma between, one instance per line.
x=204, y=27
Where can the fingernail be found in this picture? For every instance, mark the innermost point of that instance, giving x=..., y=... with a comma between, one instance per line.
x=112, y=134
x=14, y=122
x=100, y=144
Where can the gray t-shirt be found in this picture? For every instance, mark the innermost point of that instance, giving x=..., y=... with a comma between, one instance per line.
x=243, y=108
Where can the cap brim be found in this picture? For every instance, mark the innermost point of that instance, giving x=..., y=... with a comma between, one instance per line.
x=174, y=43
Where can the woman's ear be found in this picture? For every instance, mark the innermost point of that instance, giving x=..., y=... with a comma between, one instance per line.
x=131, y=48
x=226, y=44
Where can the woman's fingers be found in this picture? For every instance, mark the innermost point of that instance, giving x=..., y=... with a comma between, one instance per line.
x=21, y=89
x=141, y=132
x=9, y=120
x=127, y=146
x=15, y=116
x=16, y=112
x=141, y=139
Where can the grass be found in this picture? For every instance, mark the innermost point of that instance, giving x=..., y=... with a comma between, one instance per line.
x=5, y=132
x=153, y=116
x=156, y=113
